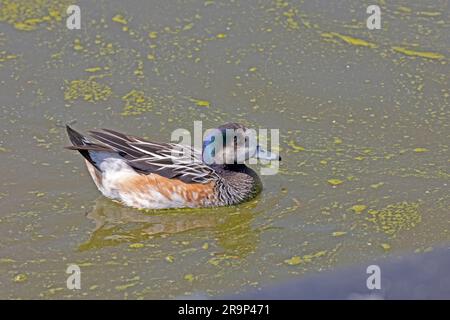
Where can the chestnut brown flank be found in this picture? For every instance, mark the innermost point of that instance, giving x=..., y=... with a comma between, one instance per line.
x=191, y=192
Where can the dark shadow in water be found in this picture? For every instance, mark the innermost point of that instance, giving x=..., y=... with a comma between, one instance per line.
x=231, y=226
x=408, y=276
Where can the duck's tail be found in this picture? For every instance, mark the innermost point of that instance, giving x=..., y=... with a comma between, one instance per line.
x=77, y=139
x=85, y=147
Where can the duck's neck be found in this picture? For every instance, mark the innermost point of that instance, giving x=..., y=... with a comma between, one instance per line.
x=236, y=167
x=239, y=183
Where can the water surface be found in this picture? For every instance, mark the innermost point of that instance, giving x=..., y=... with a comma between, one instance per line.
x=364, y=120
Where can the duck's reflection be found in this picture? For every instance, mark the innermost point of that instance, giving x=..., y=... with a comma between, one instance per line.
x=230, y=227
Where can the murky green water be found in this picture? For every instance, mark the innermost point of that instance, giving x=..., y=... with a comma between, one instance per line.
x=364, y=138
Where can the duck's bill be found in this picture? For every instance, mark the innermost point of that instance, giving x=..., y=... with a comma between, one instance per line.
x=266, y=155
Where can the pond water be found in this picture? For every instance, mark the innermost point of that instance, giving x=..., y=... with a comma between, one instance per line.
x=364, y=135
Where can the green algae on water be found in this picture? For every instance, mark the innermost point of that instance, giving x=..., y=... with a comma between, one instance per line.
x=422, y=54
x=189, y=277
x=136, y=103
x=295, y=147
x=396, y=217
x=136, y=245
x=26, y=15
x=119, y=19
x=4, y=56
x=295, y=260
x=200, y=103
x=335, y=182
x=349, y=40
x=125, y=286
x=358, y=208
x=21, y=277
x=88, y=90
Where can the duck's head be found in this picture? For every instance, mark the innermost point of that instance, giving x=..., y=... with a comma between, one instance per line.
x=233, y=143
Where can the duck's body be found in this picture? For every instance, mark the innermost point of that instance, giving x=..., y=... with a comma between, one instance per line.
x=119, y=181
x=150, y=175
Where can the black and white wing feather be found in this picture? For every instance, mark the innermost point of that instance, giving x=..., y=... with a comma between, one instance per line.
x=170, y=160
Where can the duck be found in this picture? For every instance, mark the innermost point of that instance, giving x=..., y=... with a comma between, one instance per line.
x=150, y=175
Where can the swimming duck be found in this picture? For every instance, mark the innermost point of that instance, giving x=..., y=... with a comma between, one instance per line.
x=150, y=175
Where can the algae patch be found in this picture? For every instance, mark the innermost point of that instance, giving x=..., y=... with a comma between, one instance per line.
x=88, y=90
x=295, y=260
x=335, y=182
x=136, y=103
x=119, y=19
x=350, y=40
x=20, y=277
x=93, y=69
x=200, y=103
x=189, y=277
x=136, y=245
x=4, y=56
x=422, y=54
x=295, y=147
x=153, y=34
x=396, y=217
x=124, y=287
x=26, y=15
x=358, y=208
